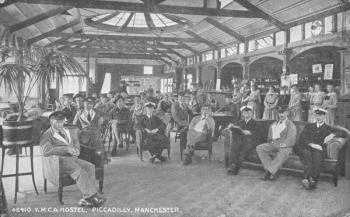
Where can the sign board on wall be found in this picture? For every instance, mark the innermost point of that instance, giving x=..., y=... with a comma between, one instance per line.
x=328, y=72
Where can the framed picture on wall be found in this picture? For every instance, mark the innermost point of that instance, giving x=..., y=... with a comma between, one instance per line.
x=316, y=68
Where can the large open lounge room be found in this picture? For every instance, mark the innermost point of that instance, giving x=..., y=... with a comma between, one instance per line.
x=179, y=108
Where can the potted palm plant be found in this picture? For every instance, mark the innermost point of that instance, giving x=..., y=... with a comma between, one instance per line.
x=54, y=66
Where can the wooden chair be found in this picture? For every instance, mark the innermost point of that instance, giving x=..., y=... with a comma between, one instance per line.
x=60, y=179
x=204, y=145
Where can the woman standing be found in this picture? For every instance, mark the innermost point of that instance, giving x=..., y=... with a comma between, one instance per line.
x=270, y=102
x=254, y=100
x=295, y=110
x=330, y=103
x=316, y=100
x=237, y=97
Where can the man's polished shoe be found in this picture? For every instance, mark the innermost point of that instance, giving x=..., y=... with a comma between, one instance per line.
x=306, y=184
x=97, y=201
x=266, y=176
x=187, y=161
x=233, y=170
x=313, y=183
x=85, y=203
x=114, y=152
x=161, y=158
x=121, y=145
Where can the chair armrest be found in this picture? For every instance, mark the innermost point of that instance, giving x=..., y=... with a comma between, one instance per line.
x=334, y=146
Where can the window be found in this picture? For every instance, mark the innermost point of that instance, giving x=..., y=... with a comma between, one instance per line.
x=264, y=42
x=209, y=55
x=148, y=70
x=166, y=85
x=106, y=86
x=280, y=36
x=308, y=33
x=241, y=48
x=72, y=84
x=189, y=81
x=223, y=52
x=251, y=46
x=231, y=50
x=328, y=25
x=295, y=33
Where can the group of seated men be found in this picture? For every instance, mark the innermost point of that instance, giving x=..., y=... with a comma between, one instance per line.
x=146, y=117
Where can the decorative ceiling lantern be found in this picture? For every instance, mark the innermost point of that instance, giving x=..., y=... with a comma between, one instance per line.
x=138, y=22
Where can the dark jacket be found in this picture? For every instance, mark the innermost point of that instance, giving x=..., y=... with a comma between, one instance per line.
x=312, y=134
x=122, y=115
x=252, y=126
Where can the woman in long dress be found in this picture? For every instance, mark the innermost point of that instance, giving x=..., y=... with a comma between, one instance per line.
x=237, y=97
x=295, y=110
x=316, y=101
x=330, y=103
x=254, y=100
x=270, y=102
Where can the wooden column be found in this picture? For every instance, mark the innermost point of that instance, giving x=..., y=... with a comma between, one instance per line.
x=245, y=64
x=88, y=83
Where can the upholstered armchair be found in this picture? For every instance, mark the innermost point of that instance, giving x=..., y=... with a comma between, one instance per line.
x=141, y=146
x=205, y=145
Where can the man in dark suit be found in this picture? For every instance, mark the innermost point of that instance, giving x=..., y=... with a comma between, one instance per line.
x=154, y=129
x=249, y=138
x=312, y=146
x=57, y=140
x=181, y=115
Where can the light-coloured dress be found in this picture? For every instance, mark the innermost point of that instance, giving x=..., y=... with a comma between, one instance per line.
x=270, y=102
x=254, y=100
x=316, y=101
x=330, y=103
x=295, y=110
x=236, y=99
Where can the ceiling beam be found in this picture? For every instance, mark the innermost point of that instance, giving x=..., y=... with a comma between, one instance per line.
x=128, y=37
x=149, y=22
x=195, y=35
x=132, y=56
x=7, y=3
x=122, y=45
x=189, y=48
x=262, y=14
x=61, y=40
x=165, y=61
x=53, y=32
x=225, y=29
x=38, y=18
x=126, y=23
x=140, y=7
x=111, y=49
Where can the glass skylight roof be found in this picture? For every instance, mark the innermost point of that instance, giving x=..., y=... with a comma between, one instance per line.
x=136, y=22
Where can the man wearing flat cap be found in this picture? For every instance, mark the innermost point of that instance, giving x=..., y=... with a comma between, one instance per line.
x=281, y=139
x=89, y=121
x=249, y=138
x=312, y=146
x=198, y=130
x=58, y=140
x=121, y=120
x=153, y=129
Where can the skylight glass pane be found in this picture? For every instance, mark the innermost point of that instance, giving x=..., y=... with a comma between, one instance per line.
x=166, y=21
x=157, y=22
x=140, y=20
x=99, y=17
x=132, y=22
x=117, y=20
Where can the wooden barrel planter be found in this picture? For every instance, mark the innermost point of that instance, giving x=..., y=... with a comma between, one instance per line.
x=17, y=133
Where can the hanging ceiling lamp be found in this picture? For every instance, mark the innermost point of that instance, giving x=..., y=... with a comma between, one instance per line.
x=138, y=22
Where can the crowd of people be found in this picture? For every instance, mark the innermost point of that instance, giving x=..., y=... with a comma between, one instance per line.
x=149, y=118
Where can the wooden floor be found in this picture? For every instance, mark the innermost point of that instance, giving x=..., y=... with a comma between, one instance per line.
x=201, y=189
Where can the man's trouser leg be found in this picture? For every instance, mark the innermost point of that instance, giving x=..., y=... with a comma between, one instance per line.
x=83, y=173
x=272, y=164
x=305, y=156
x=317, y=159
x=115, y=136
x=183, y=137
x=247, y=146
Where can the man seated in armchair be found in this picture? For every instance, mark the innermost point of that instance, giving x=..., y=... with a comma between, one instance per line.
x=250, y=138
x=58, y=141
x=281, y=139
x=313, y=145
x=153, y=128
x=121, y=119
x=197, y=132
